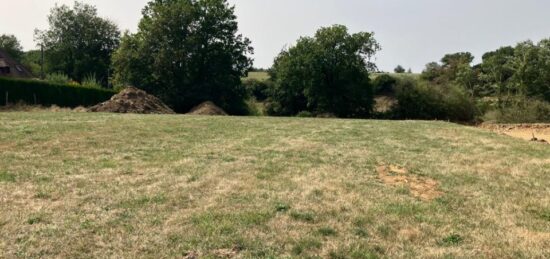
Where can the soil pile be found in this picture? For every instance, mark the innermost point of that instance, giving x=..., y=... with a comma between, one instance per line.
x=207, y=108
x=133, y=100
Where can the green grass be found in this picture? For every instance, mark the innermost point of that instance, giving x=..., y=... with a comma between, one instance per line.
x=262, y=76
x=76, y=185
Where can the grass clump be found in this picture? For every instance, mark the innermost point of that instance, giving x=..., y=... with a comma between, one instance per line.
x=282, y=207
x=452, y=240
x=305, y=216
x=306, y=245
x=7, y=177
x=327, y=231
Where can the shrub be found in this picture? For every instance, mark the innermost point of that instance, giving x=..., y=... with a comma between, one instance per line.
x=45, y=93
x=304, y=114
x=58, y=78
x=384, y=84
x=90, y=81
x=257, y=89
x=419, y=100
x=519, y=110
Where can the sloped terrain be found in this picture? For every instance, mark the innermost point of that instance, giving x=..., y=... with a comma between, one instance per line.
x=76, y=185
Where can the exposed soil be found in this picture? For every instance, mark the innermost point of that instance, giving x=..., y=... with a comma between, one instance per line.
x=384, y=103
x=530, y=132
x=420, y=187
x=207, y=108
x=133, y=100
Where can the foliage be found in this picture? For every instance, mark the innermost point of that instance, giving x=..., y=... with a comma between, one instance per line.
x=44, y=93
x=520, y=110
x=399, y=69
x=32, y=60
x=187, y=52
x=58, y=78
x=419, y=100
x=259, y=89
x=327, y=73
x=384, y=84
x=11, y=45
x=522, y=70
x=451, y=65
x=91, y=81
x=78, y=42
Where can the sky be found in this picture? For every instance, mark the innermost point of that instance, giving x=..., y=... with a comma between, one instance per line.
x=411, y=32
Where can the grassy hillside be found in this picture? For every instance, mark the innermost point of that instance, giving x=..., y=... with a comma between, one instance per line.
x=265, y=76
x=262, y=76
x=99, y=185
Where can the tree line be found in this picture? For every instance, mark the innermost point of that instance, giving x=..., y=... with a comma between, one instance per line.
x=190, y=51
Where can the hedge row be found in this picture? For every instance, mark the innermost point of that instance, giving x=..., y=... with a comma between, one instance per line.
x=46, y=94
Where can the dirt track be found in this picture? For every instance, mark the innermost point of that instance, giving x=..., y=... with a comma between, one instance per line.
x=522, y=131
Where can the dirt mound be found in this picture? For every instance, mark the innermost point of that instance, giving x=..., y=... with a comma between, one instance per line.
x=207, y=108
x=532, y=132
x=133, y=100
x=420, y=187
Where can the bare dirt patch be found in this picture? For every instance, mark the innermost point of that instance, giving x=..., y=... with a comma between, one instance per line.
x=207, y=108
x=133, y=100
x=420, y=187
x=529, y=132
x=384, y=103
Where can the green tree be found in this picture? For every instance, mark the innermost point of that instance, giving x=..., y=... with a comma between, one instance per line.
x=531, y=65
x=327, y=73
x=187, y=52
x=78, y=42
x=12, y=46
x=432, y=71
x=496, y=71
x=384, y=84
x=399, y=69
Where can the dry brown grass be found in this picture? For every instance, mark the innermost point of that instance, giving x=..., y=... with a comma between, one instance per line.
x=76, y=185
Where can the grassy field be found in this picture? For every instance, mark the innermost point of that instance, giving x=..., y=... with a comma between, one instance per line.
x=261, y=76
x=79, y=185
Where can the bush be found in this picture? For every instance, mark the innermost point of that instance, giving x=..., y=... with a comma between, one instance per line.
x=419, y=100
x=519, y=110
x=384, y=84
x=304, y=114
x=45, y=93
x=90, y=81
x=58, y=78
x=257, y=89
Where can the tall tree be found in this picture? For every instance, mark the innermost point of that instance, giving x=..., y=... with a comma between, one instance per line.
x=187, y=52
x=78, y=42
x=12, y=46
x=399, y=69
x=327, y=73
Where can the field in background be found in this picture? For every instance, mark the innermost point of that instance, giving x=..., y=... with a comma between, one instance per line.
x=261, y=76
x=104, y=185
x=265, y=76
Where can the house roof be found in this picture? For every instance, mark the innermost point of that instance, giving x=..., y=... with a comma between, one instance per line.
x=16, y=70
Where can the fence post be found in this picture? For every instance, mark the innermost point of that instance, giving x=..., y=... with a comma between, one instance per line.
x=34, y=95
x=6, y=98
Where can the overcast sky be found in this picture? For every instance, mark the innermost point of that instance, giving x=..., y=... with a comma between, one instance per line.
x=412, y=32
